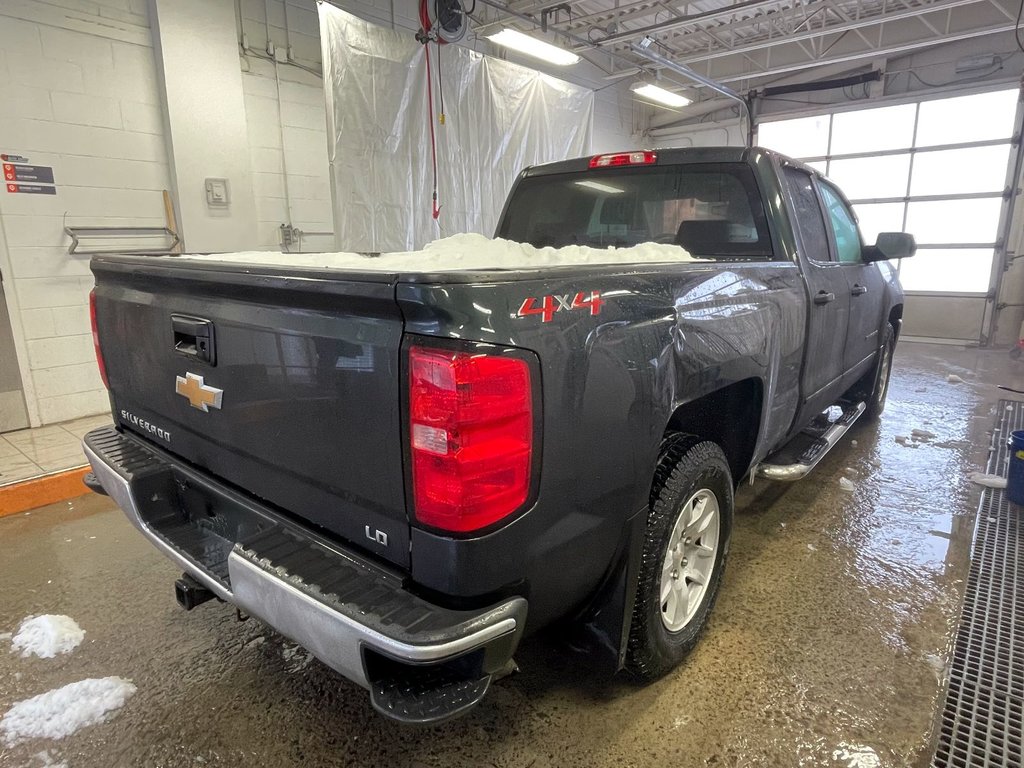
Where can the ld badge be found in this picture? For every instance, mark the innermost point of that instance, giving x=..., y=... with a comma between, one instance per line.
x=198, y=394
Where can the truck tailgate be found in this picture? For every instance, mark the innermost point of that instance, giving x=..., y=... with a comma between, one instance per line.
x=307, y=365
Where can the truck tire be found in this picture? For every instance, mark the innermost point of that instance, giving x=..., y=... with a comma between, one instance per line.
x=880, y=380
x=684, y=554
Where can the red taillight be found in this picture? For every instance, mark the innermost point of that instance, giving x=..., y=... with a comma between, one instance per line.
x=624, y=158
x=471, y=433
x=96, y=338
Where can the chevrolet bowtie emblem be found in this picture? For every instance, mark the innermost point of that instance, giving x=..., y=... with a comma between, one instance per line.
x=198, y=394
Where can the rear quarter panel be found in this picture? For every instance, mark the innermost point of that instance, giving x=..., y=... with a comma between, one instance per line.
x=665, y=335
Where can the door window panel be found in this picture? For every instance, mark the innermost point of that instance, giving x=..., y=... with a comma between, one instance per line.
x=960, y=171
x=977, y=117
x=810, y=220
x=952, y=270
x=873, y=130
x=864, y=178
x=803, y=137
x=844, y=228
x=878, y=217
x=940, y=222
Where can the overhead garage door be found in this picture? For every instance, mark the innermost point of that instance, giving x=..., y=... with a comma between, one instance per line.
x=937, y=169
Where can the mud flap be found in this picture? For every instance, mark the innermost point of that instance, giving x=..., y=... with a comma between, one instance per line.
x=602, y=630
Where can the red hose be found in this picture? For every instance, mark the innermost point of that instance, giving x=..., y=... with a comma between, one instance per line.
x=424, y=16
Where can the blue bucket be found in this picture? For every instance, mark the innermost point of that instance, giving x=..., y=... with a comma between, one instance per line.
x=1015, y=479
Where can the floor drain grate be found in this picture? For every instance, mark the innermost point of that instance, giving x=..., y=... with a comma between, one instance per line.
x=984, y=708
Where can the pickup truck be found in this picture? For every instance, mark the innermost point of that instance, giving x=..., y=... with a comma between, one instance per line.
x=407, y=470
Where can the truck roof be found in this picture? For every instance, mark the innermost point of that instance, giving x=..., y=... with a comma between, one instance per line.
x=667, y=155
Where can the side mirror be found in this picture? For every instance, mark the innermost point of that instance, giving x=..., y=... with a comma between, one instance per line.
x=891, y=245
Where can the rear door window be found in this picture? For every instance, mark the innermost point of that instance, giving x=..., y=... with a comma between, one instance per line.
x=809, y=219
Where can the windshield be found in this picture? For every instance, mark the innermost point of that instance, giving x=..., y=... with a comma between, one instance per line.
x=710, y=209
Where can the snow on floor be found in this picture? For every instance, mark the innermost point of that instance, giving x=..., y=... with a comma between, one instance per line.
x=296, y=658
x=46, y=760
x=461, y=252
x=989, y=481
x=47, y=636
x=60, y=712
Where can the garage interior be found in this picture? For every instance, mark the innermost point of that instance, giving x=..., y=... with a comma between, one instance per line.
x=867, y=615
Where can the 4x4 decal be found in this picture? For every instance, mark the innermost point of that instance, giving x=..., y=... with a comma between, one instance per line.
x=549, y=305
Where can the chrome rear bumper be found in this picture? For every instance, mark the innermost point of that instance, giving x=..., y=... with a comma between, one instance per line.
x=359, y=608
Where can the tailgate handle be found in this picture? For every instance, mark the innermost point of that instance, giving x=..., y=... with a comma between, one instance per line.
x=193, y=337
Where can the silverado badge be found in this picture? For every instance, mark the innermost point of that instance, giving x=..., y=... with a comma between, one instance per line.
x=199, y=395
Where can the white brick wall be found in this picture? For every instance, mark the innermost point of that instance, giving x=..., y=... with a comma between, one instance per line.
x=287, y=130
x=615, y=113
x=80, y=94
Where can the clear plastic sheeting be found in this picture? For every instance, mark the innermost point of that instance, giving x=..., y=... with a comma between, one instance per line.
x=499, y=118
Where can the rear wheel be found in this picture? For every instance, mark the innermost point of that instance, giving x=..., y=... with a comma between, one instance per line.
x=883, y=371
x=688, y=530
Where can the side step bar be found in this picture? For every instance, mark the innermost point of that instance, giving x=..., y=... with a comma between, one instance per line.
x=804, y=451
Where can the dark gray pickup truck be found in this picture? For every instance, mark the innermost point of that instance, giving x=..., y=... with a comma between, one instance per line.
x=407, y=471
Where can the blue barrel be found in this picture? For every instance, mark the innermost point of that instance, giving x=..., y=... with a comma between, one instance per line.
x=1015, y=480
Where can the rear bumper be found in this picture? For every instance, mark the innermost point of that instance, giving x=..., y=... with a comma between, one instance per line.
x=355, y=616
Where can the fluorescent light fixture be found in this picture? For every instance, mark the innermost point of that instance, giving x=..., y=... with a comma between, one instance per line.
x=531, y=46
x=660, y=95
x=608, y=189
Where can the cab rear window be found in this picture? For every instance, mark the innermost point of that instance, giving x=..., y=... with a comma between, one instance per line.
x=710, y=209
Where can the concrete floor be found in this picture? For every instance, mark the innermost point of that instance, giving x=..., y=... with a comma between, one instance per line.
x=827, y=647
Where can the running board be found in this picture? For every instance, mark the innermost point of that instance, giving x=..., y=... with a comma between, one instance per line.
x=804, y=451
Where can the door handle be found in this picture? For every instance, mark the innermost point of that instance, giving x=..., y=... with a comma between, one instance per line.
x=193, y=337
x=858, y=290
x=824, y=297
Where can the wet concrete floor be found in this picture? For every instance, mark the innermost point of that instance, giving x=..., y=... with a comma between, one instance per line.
x=828, y=645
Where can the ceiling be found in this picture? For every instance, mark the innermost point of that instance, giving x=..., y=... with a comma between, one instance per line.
x=754, y=42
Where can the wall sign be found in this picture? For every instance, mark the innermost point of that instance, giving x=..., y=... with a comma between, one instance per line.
x=42, y=174
x=17, y=171
x=31, y=189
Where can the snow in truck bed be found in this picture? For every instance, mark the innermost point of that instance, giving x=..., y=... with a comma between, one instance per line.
x=461, y=252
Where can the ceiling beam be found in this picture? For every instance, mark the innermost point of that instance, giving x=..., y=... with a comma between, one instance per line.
x=683, y=21
x=884, y=51
x=643, y=9
x=844, y=26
